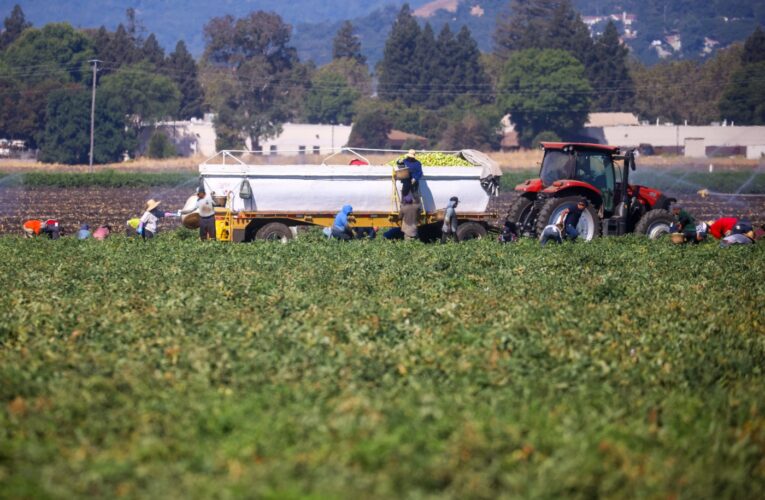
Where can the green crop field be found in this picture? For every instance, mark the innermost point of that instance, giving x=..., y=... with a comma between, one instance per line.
x=617, y=368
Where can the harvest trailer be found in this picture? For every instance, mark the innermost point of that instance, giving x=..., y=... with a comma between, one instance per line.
x=269, y=202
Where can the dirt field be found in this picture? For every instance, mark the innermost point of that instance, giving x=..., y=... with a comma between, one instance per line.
x=95, y=205
x=75, y=206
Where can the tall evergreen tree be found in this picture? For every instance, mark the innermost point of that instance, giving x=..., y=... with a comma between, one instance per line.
x=526, y=27
x=120, y=50
x=754, y=48
x=347, y=45
x=13, y=26
x=608, y=73
x=152, y=52
x=468, y=76
x=744, y=98
x=182, y=69
x=425, y=63
x=397, y=75
x=565, y=30
x=442, y=69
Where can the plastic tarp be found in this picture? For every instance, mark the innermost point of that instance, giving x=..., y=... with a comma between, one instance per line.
x=490, y=173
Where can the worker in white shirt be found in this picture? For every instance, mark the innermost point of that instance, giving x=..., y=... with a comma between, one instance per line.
x=206, y=212
x=147, y=225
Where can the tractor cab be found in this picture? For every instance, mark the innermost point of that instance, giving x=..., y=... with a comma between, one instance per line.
x=592, y=168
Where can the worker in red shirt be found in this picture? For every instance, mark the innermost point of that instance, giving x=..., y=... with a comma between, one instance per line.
x=722, y=227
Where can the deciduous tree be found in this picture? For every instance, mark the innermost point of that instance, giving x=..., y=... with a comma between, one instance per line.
x=255, y=52
x=66, y=137
x=141, y=94
x=330, y=99
x=544, y=90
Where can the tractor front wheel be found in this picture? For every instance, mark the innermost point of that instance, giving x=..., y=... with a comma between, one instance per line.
x=589, y=222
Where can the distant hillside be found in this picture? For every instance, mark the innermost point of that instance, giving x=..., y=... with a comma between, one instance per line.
x=673, y=29
x=677, y=29
x=173, y=20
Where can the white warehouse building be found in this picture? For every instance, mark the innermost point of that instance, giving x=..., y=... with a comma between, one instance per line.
x=198, y=137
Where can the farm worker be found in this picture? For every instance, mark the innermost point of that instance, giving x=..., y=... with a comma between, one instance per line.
x=742, y=227
x=449, y=229
x=84, y=232
x=572, y=216
x=32, y=228
x=148, y=223
x=684, y=223
x=409, y=214
x=206, y=210
x=102, y=232
x=131, y=228
x=737, y=239
x=509, y=232
x=52, y=229
x=702, y=229
x=412, y=183
x=341, y=228
x=553, y=231
x=721, y=227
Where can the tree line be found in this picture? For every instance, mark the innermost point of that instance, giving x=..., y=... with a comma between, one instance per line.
x=546, y=71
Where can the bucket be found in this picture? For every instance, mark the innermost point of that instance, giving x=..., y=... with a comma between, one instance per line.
x=191, y=220
x=402, y=173
x=677, y=238
x=219, y=200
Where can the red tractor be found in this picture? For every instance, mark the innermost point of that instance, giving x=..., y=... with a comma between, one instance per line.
x=573, y=171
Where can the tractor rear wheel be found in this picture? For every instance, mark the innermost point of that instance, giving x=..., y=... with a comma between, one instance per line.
x=521, y=214
x=470, y=231
x=589, y=222
x=274, y=231
x=655, y=223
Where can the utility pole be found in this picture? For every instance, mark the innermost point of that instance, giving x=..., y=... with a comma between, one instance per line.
x=93, y=110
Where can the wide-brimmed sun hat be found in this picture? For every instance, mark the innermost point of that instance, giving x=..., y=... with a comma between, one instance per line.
x=411, y=154
x=152, y=204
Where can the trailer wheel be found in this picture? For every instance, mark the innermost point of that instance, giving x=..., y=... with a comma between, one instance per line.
x=589, y=222
x=274, y=231
x=655, y=224
x=521, y=214
x=470, y=231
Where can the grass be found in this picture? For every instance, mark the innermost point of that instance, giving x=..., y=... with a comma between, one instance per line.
x=617, y=368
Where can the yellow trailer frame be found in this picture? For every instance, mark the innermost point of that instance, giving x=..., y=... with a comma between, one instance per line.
x=233, y=227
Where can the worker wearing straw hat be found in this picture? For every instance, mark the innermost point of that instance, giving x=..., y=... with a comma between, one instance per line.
x=147, y=226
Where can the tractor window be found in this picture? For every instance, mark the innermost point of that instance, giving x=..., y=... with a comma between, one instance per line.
x=595, y=168
x=555, y=166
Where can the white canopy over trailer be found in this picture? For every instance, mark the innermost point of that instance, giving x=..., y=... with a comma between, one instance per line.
x=327, y=187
